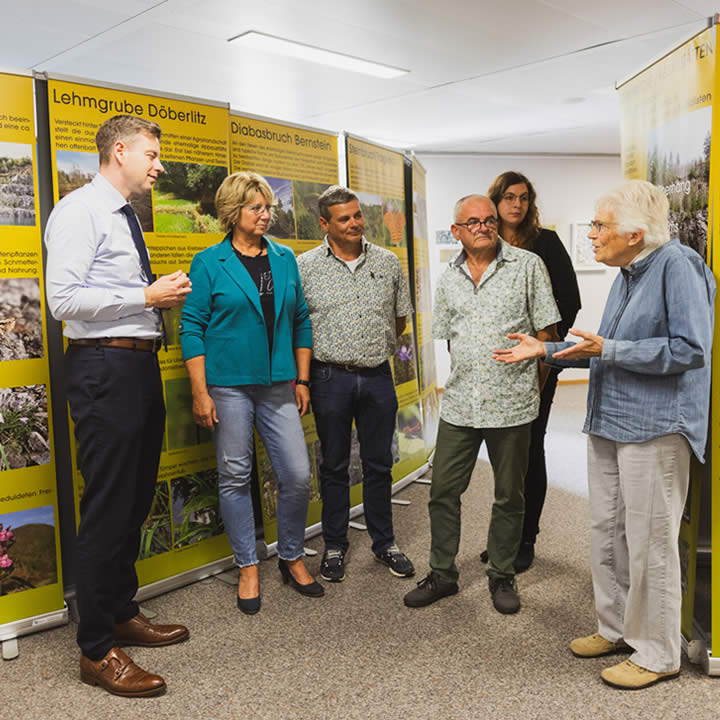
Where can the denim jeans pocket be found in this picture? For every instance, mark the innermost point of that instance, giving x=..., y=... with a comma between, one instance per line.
x=320, y=374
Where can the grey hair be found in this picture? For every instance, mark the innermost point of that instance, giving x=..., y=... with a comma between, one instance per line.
x=459, y=204
x=334, y=195
x=639, y=205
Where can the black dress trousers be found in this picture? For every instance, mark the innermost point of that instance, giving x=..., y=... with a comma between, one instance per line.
x=116, y=402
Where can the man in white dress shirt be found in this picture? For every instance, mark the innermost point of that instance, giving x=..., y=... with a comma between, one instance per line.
x=99, y=282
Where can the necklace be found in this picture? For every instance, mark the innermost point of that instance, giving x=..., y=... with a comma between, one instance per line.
x=257, y=254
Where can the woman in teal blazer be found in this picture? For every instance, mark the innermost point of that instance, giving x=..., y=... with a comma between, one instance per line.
x=245, y=334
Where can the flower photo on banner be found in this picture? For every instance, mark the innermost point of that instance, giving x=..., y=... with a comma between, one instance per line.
x=27, y=550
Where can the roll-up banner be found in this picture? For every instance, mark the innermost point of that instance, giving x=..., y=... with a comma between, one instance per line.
x=377, y=175
x=31, y=590
x=423, y=300
x=184, y=530
x=667, y=127
x=299, y=163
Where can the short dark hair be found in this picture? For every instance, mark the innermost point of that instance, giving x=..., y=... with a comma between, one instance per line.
x=334, y=195
x=122, y=127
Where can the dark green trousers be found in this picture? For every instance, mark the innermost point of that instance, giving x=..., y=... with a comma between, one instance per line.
x=456, y=453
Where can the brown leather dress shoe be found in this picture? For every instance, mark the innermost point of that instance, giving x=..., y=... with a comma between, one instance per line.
x=140, y=631
x=119, y=675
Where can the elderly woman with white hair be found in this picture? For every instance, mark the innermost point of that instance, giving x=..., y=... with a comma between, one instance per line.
x=647, y=412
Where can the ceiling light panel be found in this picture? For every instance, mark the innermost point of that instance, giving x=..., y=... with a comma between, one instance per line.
x=269, y=43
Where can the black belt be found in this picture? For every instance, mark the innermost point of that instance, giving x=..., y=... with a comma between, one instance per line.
x=127, y=343
x=349, y=368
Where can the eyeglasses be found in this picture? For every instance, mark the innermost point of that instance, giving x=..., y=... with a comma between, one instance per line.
x=260, y=209
x=512, y=198
x=599, y=226
x=474, y=223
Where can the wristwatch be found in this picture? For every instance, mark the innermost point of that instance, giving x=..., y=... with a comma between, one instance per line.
x=306, y=383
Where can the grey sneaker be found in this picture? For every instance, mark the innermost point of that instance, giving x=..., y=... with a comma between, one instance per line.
x=504, y=595
x=397, y=561
x=430, y=589
x=332, y=567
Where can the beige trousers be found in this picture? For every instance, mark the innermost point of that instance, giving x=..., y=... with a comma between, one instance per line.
x=637, y=495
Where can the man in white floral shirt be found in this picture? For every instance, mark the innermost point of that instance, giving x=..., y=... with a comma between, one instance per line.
x=490, y=290
x=359, y=301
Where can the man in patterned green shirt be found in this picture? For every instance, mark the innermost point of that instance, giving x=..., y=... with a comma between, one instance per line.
x=490, y=290
x=359, y=301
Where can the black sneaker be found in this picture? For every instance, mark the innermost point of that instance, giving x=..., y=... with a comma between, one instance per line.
x=504, y=595
x=398, y=562
x=430, y=589
x=332, y=567
x=525, y=556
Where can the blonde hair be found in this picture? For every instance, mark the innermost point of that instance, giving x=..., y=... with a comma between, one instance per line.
x=236, y=191
x=639, y=205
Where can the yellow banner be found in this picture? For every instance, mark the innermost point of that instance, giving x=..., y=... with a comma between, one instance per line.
x=667, y=124
x=714, y=473
x=666, y=114
x=423, y=301
x=179, y=219
x=299, y=164
x=30, y=570
x=377, y=176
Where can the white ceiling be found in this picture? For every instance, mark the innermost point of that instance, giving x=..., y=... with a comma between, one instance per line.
x=527, y=76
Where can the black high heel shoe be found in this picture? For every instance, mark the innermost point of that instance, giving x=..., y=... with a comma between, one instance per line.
x=248, y=605
x=313, y=589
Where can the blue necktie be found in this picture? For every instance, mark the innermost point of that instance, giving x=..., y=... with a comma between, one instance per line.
x=139, y=241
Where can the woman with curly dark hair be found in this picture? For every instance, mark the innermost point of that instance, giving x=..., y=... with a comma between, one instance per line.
x=519, y=225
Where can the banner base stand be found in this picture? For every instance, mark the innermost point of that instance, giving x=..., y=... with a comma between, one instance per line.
x=699, y=653
x=10, y=649
x=357, y=525
x=229, y=577
x=265, y=551
x=417, y=476
x=177, y=581
x=400, y=502
x=10, y=632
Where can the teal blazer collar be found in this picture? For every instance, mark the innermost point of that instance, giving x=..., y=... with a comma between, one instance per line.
x=234, y=267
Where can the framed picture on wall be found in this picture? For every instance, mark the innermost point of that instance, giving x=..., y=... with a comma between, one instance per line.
x=445, y=237
x=581, y=254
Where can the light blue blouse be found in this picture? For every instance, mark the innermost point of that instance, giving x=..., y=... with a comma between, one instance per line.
x=653, y=377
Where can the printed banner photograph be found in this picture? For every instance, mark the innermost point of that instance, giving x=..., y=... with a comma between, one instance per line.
x=179, y=219
x=666, y=115
x=377, y=176
x=30, y=570
x=299, y=165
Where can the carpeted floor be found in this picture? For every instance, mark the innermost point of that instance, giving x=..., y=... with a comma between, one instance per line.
x=360, y=653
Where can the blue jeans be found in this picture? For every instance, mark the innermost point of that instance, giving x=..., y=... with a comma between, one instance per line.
x=368, y=397
x=272, y=409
